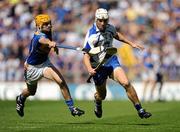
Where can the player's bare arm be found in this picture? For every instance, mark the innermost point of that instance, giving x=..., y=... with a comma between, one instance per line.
x=86, y=60
x=51, y=44
x=121, y=38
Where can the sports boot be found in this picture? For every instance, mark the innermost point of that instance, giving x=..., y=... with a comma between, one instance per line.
x=76, y=111
x=143, y=114
x=19, y=106
x=98, y=109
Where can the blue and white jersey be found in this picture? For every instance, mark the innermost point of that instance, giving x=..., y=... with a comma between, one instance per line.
x=38, y=53
x=96, y=38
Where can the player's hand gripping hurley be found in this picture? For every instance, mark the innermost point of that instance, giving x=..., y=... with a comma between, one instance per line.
x=108, y=51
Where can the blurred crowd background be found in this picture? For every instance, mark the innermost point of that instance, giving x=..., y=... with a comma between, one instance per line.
x=153, y=23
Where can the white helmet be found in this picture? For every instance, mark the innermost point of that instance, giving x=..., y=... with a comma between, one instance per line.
x=101, y=13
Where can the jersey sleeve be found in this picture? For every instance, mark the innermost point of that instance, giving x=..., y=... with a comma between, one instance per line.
x=42, y=35
x=90, y=39
x=86, y=45
x=38, y=35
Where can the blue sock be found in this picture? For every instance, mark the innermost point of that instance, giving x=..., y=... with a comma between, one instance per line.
x=70, y=104
x=138, y=107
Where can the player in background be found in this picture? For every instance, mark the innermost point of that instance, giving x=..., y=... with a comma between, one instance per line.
x=102, y=34
x=148, y=74
x=159, y=81
x=38, y=65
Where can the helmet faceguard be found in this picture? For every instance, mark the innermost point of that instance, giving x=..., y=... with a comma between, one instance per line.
x=101, y=13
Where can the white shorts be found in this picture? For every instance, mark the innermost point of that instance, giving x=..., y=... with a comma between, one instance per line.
x=34, y=73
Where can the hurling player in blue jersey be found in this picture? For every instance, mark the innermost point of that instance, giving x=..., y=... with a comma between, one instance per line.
x=38, y=65
x=102, y=34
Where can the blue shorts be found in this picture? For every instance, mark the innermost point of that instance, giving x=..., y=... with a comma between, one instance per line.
x=106, y=70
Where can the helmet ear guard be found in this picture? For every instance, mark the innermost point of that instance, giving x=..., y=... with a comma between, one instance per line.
x=41, y=19
x=101, y=13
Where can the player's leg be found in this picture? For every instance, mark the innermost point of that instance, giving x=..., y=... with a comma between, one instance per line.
x=20, y=99
x=153, y=82
x=31, y=74
x=120, y=76
x=160, y=90
x=145, y=86
x=99, y=96
x=100, y=84
x=145, y=78
x=53, y=74
x=153, y=86
x=160, y=81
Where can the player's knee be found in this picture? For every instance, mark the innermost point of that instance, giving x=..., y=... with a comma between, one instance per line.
x=125, y=84
x=62, y=84
x=100, y=96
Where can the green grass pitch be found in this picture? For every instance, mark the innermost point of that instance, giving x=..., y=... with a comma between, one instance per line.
x=118, y=116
